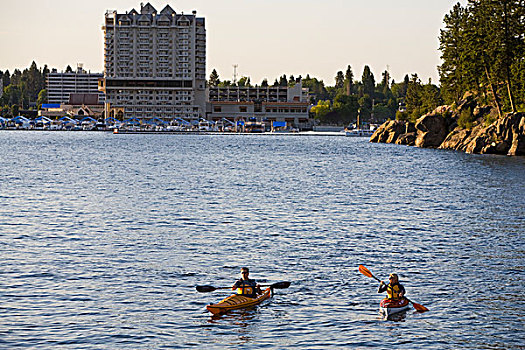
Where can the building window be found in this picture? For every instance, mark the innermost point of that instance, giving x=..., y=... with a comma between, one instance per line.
x=243, y=109
x=217, y=109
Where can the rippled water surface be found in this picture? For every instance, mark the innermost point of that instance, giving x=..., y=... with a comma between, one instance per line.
x=104, y=237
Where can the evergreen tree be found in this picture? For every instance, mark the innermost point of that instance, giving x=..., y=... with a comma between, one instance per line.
x=453, y=55
x=349, y=80
x=16, y=77
x=291, y=81
x=414, y=97
x=283, y=81
x=346, y=107
x=385, y=83
x=6, y=78
x=368, y=81
x=214, y=79
x=483, y=46
x=34, y=81
x=339, y=80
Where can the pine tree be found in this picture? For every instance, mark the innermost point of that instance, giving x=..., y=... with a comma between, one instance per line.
x=214, y=79
x=339, y=80
x=451, y=46
x=349, y=80
x=482, y=45
x=369, y=83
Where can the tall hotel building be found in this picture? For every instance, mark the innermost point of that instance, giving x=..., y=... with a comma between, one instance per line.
x=154, y=64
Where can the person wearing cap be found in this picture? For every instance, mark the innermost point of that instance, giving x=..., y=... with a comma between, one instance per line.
x=246, y=286
x=394, y=289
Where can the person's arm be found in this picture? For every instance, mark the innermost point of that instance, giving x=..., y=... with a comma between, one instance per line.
x=402, y=292
x=382, y=287
x=235, y=285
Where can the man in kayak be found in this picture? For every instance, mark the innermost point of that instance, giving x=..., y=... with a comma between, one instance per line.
x=246, y=286
x=394, y=289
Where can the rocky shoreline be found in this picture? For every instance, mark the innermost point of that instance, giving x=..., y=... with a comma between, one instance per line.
x=440, y=129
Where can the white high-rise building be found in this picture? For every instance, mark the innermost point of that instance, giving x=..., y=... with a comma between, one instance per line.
x=154, y=64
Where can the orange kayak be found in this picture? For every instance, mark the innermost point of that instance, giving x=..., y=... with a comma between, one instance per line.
x=237, y=301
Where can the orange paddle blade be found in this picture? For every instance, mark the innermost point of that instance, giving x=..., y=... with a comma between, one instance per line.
x=419, y=307
x=365, y=271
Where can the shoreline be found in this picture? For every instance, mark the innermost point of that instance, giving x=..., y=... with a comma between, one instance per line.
x=300, y=133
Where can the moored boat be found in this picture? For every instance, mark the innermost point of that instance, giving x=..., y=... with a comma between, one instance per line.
x=359, y=133
x=391, y=306
x=238, y=301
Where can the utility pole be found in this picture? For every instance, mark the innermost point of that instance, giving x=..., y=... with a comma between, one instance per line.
x=235, y=73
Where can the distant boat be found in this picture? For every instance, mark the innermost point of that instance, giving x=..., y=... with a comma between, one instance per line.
x=359, y=133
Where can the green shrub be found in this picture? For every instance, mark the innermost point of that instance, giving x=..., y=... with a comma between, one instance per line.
x=490, y=118
x=401, y=115
x=466, y=119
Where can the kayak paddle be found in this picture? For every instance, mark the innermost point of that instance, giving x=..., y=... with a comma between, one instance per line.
x=367, y=273
x=278, y=285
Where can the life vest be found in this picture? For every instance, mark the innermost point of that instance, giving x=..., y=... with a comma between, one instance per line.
x=393, y=291
x=246, y=287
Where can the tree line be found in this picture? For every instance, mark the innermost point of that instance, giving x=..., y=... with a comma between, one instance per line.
x=342, y=103
x=23, y=90
x=482, y=48
x=483, y=51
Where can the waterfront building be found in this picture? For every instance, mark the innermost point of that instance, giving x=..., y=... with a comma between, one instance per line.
x=78, y=106
x=154, y=64
x=261, y=103
x=60, y=85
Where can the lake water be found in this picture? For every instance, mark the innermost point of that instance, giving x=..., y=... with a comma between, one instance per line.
x=104, y=237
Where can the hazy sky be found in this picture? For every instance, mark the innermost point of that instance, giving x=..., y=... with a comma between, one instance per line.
x=265, y=38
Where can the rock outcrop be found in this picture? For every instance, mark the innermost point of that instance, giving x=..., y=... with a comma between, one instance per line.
x=439, y=129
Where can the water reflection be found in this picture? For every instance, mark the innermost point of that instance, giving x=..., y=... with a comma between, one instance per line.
x=397, y=317
x=241, y=323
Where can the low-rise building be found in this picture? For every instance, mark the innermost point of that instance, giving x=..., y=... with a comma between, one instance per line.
x=78, y=106
x=260, y=103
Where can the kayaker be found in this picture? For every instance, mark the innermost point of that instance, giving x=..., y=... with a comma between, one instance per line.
x=394, y=289
x=246, y=286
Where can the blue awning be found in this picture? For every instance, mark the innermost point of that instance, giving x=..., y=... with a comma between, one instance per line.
x=51, y=105
x=278, y=124
x=132, y=121
x=156, y=121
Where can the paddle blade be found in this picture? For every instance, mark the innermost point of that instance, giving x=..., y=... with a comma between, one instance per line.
x=365, y=271
x=419, y=307
x=281, y=285
x=205, y=289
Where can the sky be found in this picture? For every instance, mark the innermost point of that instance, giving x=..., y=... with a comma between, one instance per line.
x=264, y=38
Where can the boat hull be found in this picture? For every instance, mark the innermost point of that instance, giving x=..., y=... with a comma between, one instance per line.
x=389, y=307
x=236, y=301
x=359, y=133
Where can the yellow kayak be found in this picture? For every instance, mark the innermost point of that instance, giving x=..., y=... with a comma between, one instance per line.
x=237, y=301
